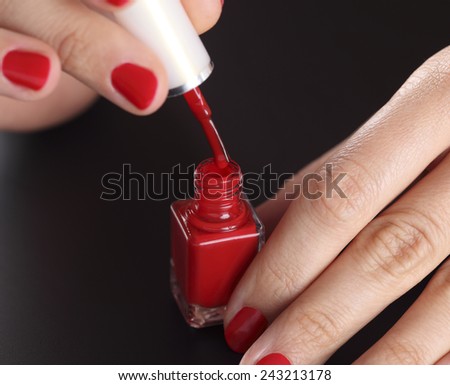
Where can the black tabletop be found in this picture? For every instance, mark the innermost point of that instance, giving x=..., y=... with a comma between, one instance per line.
x=85, y=281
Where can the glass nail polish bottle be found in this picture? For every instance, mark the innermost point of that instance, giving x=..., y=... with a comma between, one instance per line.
x=214, y=237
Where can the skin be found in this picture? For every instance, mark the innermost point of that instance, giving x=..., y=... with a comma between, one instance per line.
x=368, y=249
x=332, y=264
x=81, y=66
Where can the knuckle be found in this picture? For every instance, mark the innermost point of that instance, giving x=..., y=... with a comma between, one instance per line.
x=438, y=69
x=318, y=329
x=397, y=248
x=431, y=78
x=402, y=352
x=71, y=47
x=440, y=283
x=357, y=185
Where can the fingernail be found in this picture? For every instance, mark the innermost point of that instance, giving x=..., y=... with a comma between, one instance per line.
x=117, y=3
x=244, y=329
x=222, y=1
x=26, y=69
x=274, y=359
x=135, y=83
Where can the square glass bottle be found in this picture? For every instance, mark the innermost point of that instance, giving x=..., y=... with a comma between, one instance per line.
x=214, y=237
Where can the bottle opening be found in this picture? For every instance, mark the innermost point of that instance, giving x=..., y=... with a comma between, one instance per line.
x=218, y=203
x=215, y=184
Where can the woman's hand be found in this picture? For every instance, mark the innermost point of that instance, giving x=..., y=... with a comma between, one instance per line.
x=58, y=54
x=333, y=263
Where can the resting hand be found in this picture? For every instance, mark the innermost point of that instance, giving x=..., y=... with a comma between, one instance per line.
x=333, y=263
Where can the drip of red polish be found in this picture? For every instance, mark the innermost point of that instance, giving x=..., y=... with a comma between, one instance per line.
x=244, y=329
x=200, y=108
x=274, y=359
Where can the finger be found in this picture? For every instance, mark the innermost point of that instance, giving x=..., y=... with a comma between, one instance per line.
x=421, y=335
x=272, y=210
x=69, y=98
x=29, y=68
x=108, y=5
x=313, y=232
x=94, y=50
x=389, y=257
x=444, y=360
x=204, y=14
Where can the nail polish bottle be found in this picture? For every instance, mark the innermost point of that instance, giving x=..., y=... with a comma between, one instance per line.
x=164, y=26
x=214, y=237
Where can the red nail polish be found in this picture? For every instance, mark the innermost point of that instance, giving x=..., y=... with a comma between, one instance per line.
x=117, y=3
x=135, y=83
x=274, y=359
x=214, y=236
x=26, y=69
x=244, y=329
x=201, y=110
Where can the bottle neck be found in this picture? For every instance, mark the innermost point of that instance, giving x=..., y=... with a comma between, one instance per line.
x=218, y=204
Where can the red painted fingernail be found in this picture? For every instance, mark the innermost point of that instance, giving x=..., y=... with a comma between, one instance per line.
x=274, y=359
x=135, y=83
x=27, y=69
x=244, y=329
x=117, y=3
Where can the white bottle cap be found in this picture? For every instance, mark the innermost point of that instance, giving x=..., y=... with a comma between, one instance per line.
x=165, y=27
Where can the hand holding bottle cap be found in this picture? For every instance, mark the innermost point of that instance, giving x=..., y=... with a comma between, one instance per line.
x=40, y=41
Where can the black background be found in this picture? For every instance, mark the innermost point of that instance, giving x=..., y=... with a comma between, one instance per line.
x=83, y=281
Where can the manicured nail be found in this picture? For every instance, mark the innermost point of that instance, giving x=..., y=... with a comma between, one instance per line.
x=274, y=359
x=244, y=329
x=26, y=69
x=117, y=3
x=135, y=83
